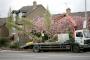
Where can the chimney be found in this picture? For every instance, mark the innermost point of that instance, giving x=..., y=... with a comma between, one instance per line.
x=68, y=11
x=34, y=4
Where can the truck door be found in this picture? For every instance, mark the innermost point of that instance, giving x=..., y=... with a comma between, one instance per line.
x=79, y=37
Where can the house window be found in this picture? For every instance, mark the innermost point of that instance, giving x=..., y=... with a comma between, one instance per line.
x=23, y=14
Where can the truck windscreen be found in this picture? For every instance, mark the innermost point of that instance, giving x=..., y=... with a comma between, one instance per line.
x=87, y=34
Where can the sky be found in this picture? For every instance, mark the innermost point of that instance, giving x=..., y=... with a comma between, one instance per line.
x=55, y=6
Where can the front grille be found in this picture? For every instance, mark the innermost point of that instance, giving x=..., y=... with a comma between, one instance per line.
x=86, y=41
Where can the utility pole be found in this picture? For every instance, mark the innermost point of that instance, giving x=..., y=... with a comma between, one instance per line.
x=86, y=10
x=85, y=21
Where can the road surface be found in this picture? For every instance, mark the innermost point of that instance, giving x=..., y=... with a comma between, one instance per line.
x=24, y=55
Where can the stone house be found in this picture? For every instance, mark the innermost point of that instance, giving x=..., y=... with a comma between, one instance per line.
x=27, y=13
x=30, y=12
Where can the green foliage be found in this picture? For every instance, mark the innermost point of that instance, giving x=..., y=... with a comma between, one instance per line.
x=38, y=34
x=4, y=42
x=9, y=23
x=37, y=39
x=53, y=39
x=12, y=25
x=15, y=45
x=70, y=36
x=45, y=37
x=27, y=22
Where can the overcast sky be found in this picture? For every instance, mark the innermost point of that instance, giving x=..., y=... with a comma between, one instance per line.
x=55, y=6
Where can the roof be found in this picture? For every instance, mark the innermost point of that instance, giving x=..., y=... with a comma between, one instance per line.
x=82, y=14
x=60, y=25
x=74, y=14
x=26, y=8
x=2, y=21
x=29, y=9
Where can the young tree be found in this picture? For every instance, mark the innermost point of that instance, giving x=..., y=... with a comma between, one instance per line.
x=47, y=20
x=9, y=22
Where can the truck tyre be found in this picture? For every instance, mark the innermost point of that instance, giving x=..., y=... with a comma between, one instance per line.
x=76, y=49
x=36, y=49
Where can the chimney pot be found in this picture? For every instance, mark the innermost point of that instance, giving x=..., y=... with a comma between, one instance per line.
x=34, y=4
x=68, y=11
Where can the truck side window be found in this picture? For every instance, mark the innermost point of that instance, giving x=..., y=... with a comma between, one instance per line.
x=79, y=34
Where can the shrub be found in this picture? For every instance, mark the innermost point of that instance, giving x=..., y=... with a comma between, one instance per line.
x=14, y=45
x=4, y=42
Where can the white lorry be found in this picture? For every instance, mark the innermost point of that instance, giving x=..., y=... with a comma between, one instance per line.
x=80, y=42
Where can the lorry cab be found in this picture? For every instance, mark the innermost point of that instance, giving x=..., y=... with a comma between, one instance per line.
x=82, y=37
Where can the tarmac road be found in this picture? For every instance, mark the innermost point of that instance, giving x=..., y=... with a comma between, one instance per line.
x=25, y=55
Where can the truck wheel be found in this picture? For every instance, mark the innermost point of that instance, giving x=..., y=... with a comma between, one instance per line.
x=36, y=49
x=76, y=49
